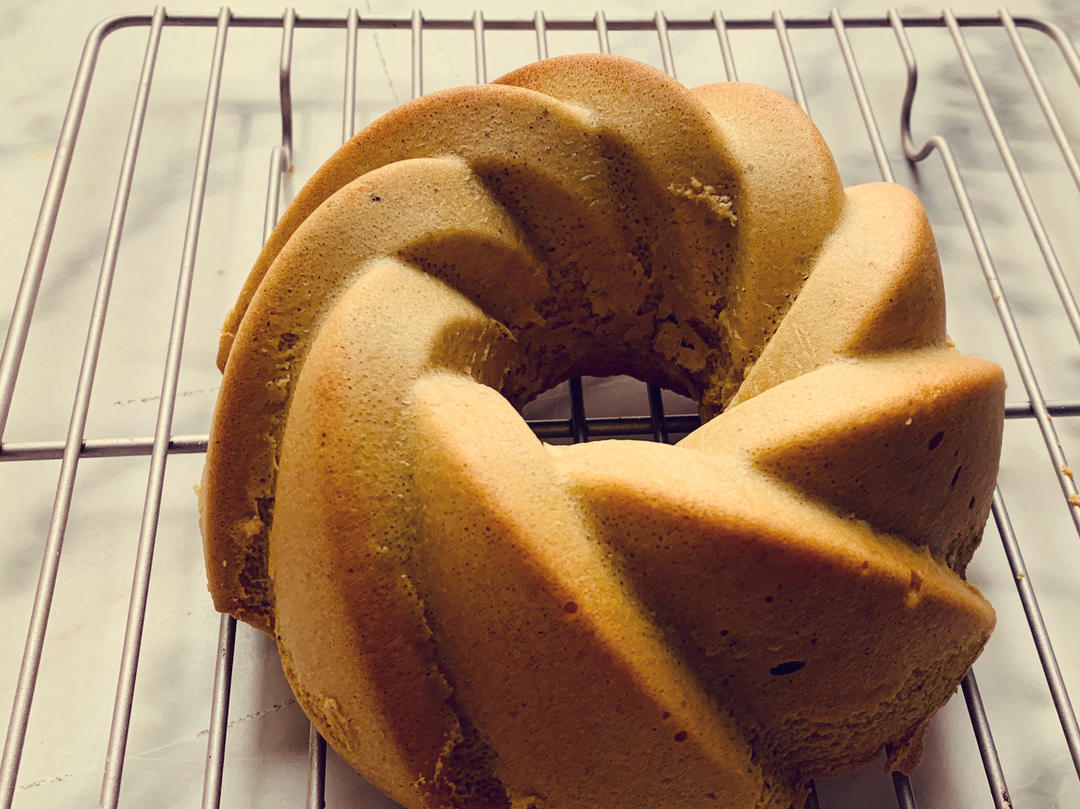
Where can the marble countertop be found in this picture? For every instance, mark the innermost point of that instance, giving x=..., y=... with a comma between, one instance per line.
x=266, y=764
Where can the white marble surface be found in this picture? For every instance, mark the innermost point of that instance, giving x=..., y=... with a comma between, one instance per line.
x=266, y=762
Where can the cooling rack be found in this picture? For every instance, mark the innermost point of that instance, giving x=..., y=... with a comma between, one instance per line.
x=1028, y=404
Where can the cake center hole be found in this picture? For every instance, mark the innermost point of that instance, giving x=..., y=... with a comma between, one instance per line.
x=613, y=407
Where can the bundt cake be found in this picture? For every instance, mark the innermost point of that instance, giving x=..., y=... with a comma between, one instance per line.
x=474, y=619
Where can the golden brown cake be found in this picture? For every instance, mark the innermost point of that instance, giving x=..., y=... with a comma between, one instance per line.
x=475, y=619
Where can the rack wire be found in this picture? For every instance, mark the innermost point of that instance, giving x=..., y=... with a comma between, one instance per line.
x=76, y=446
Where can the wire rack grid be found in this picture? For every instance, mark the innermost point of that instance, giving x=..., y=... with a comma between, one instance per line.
x=1032, y=408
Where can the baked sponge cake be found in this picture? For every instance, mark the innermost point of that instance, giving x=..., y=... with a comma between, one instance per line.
x=475, y=619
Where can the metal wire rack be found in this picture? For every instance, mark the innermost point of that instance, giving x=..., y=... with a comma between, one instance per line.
x=76, y=446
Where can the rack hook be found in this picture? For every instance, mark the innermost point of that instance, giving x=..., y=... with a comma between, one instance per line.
x=913, y=154
x=285, y=85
